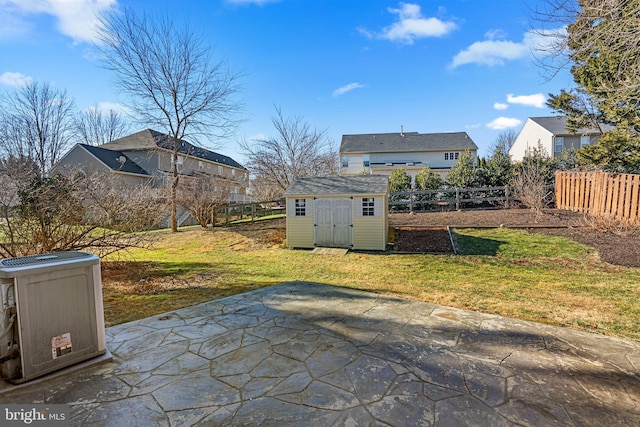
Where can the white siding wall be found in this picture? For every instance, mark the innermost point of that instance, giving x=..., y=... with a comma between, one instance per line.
x=434, y=160
x=528, y=138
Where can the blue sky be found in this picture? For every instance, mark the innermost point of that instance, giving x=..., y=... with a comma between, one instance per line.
x=351, y=66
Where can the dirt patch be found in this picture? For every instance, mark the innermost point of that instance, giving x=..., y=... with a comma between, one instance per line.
x=615, y=248
x=420, y=240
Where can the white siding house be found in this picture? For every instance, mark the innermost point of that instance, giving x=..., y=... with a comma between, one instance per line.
x=412, y=151
x=551, y=134
x=338, y=211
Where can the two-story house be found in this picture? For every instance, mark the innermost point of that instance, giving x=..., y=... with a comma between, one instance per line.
x=551, y=134
x=147, y=157
x=381, y=153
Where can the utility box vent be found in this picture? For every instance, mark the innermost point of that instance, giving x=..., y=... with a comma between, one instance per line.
x=43, y=259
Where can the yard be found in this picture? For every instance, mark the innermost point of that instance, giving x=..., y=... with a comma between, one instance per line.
x=511, y=272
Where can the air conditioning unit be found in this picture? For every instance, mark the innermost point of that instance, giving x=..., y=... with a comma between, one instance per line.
x=52, y=314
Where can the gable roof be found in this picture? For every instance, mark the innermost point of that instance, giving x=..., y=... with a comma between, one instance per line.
x=339, y=185
x=557, y=125
x=149, y=139
x=114, y=160
x=406, y=142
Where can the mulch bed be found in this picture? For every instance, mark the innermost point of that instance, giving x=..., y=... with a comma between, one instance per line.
x=421, y=240
x=613, y=247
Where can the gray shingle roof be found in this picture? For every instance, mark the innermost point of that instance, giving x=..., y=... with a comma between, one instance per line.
x=151, y=139
x=557, y=125
x=115, y=160
x=406, y=142
x=339, y=185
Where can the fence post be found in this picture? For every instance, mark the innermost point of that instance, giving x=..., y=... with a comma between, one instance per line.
x=457, y=199
x=410, y=200
x=506, y=196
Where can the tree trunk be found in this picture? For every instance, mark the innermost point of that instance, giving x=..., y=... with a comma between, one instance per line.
x=174, y=192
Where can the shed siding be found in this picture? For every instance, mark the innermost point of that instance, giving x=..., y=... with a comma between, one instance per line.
x=300, y=233
x=368, y=233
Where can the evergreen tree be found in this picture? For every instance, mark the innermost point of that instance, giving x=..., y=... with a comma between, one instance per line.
x=463, y=173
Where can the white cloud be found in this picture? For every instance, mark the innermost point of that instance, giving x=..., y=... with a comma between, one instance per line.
x=346, y=88
x=537, y=100
x=9, y=78
x=502, y=123
x=490, y=52
x=77, y=19
x=496, y=51
x=411, y=25
x=500, y=106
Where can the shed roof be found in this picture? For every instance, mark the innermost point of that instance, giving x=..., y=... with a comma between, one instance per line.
x=406, y=142
x=339, y=185
x=150, y=139
x=114, y=160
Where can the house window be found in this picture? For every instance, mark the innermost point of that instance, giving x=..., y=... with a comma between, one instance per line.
x=345, y=161
x=559, y=144
x=451, y=156
x=456, y=155
x=233, y=172
x=301, y=207
x=368, y=206
x=585, y=140
x=200, y=165
x=219, y=170
x=446, y=156
x=366, y=160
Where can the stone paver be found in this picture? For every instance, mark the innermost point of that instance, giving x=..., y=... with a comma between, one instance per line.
x=307, y=354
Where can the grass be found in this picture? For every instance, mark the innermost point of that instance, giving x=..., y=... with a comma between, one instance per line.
x=512, y=273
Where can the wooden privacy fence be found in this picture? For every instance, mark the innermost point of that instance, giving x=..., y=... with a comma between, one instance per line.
x=600, y=194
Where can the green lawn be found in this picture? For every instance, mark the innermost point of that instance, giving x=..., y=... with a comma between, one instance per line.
x=511, y=273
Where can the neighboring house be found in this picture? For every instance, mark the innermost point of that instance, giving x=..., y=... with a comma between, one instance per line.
x=338, y=211
x=148, y=156
x=551, y=134
x=381, y=153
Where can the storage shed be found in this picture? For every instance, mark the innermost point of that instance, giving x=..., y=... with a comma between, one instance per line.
x=338, y=211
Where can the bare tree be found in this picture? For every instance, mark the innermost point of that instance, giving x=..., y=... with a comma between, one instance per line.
x=48, y=214
x=96, y=127
x=297, y=151
x=202, y=196
x=503, y=143
x=37, y=124
x=599, y=41
x=174, y=84
x=263, y=190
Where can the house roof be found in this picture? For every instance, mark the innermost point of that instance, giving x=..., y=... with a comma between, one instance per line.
x=149, y=139
x=557, y=125
x=406, y=142
x=114, y=160
x=339, y=185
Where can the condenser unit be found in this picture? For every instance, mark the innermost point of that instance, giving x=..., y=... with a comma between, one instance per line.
x=52, y=314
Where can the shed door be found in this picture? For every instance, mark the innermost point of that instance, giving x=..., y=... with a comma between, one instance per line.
x=333, y=222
